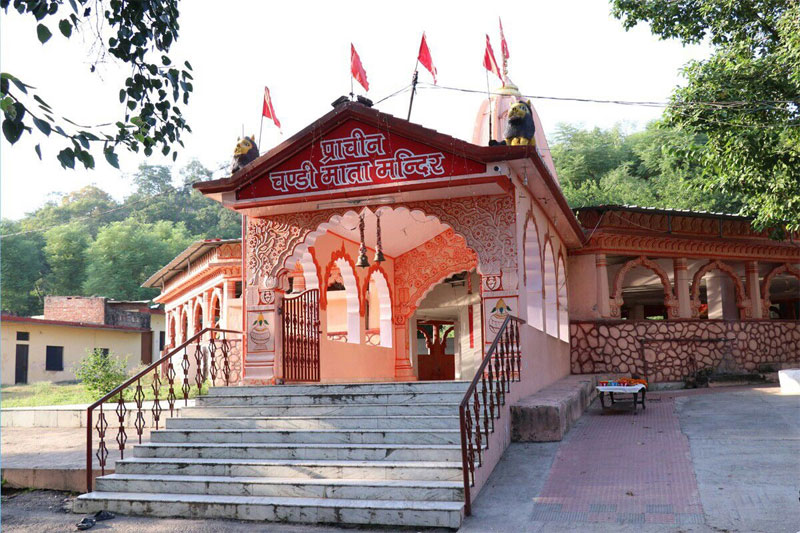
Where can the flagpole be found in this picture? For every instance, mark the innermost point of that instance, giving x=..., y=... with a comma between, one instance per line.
x=413, y=87
x=489, y=97
x=260, y=129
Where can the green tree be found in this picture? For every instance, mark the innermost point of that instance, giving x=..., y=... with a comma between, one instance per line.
x=65, y=252
x=657, y=167
x=201, y=216
x=21, y=267
x=126, y=253
x=744, y=99
x=137, y=34
x=90, y=205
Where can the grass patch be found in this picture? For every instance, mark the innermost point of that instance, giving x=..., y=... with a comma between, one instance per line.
x=47, y=393
x=43, y=393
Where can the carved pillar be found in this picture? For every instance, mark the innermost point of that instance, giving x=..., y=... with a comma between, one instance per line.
x=498, y=302
x=753, y=288
x=603, y=305
x=681, y=280
x=402, y=362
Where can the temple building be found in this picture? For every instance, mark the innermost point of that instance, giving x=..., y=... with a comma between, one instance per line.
x=395, y=292
x=466, y=234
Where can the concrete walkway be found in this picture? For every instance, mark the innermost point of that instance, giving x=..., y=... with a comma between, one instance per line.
x=704, y=460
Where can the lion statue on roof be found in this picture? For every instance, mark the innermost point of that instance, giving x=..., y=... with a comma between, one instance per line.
x=245, y=153
x=520, y=128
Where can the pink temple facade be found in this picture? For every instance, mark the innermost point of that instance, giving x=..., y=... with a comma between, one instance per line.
x=469, y=234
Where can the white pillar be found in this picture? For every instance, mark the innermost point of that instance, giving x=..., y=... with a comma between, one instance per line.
x=753, y=288
x=603, y=304
x=681, y=280
x=721, y=296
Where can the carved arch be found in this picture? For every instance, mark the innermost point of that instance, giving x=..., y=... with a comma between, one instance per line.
x=385, y=302
x=780, y=269
x=487, y=223
x=375, y=267
x=532, y=273
x=550, y=287
x=197, y=312
x=417, y=271
x=562, y=297
x=670, y=302
x=340, y=254
x=742, y=302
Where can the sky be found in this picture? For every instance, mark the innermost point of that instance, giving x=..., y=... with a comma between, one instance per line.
x=301, y=50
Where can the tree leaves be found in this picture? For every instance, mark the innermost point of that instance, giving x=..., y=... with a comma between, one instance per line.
x=43, y=33
x=65, y=27
x=745, y=98
x=141, y=34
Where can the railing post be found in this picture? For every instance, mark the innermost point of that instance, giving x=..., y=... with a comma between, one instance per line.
x=89, y=469
x=464, y=461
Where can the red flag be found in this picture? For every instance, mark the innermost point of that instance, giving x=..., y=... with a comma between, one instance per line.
x=503, y=43
x=489, y=61
x=269, y=111
x=425, y=58
x=357, y=69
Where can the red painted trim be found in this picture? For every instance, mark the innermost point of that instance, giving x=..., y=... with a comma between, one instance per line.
x=244, y=296
x=376, y=267
x=50, y=322
x=369, y=248
x=371, y=191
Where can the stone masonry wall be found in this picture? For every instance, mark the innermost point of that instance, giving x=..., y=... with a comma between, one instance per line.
x=672, y=350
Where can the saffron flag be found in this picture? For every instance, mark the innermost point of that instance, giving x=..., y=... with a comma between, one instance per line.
x=269, y=111
x=425, y=58
x=503, y=43
x=357, y=69
x=489, y=61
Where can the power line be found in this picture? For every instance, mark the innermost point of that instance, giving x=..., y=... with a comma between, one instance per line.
x=719, y=104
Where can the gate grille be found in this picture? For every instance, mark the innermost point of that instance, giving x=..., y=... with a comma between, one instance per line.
x=301, y=336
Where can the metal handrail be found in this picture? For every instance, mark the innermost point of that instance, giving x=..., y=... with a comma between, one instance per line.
x=500, y=376
x=139, y=396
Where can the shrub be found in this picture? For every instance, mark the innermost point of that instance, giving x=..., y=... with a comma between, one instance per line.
x=100, y=373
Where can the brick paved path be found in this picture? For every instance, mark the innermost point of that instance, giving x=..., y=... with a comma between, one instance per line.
x=620, y=468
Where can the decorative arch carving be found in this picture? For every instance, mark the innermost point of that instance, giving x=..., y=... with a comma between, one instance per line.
x=742, y=302
x=487, y=224
x=197, y=312
x=780, y=269
x=335, y=256
x=670, y=302
x=550, y=287
x=374, y=267
x=418, y=270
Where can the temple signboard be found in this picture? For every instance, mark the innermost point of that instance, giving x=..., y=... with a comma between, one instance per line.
x=356, y=155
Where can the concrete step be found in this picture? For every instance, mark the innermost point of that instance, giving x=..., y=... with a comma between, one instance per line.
x=331, y=398
x=297, y=468
x=358, y=489
x=323, y=410
x=277, y=509
x=317, y=422
x=327, y=452
x=343, y=388
x=311, y=436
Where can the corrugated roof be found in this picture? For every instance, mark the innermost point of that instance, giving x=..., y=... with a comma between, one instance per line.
x=179, y=264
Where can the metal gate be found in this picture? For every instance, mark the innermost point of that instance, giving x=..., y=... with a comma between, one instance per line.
x=301, y=336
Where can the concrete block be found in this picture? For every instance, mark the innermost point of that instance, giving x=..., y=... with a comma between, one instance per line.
x=789, y=379
x=547, y=415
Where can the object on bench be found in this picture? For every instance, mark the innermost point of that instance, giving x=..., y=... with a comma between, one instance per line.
x=635, y=390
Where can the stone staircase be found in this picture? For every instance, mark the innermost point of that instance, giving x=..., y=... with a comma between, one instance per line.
x=381, y=454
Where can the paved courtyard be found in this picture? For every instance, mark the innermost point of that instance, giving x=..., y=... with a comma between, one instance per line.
x=704, y=460
x=721, y=460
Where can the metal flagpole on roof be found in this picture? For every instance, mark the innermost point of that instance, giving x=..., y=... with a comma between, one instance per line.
x=413, y=87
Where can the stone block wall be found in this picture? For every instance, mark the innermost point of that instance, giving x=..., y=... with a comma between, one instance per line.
x=672, y=350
